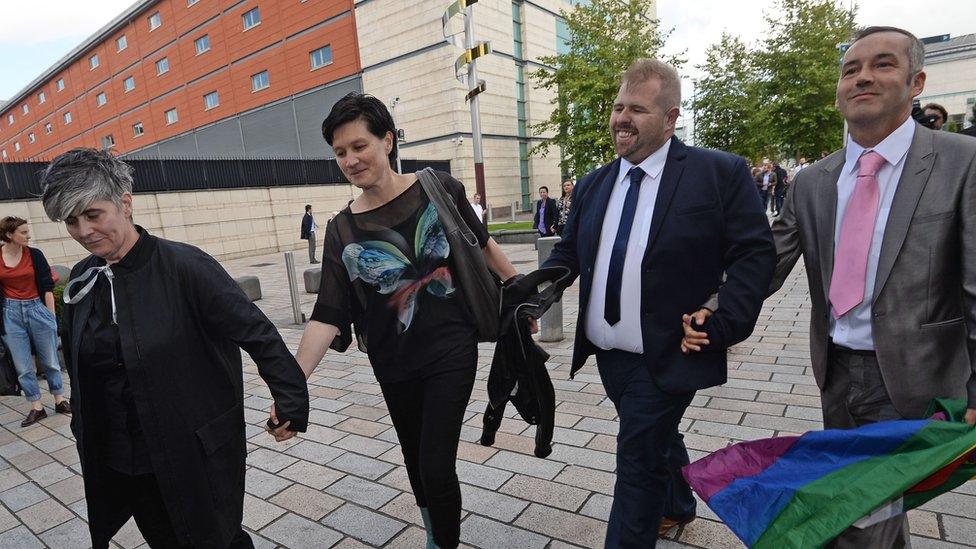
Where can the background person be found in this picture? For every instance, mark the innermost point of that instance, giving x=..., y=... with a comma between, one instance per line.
x=479, y=210
x=385, y=271
x=153, y=332
x=309, y=228
x=564, y=205
x=27, y=314
x=546, y=213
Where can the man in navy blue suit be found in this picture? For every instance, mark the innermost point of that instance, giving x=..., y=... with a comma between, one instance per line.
x=650, y=236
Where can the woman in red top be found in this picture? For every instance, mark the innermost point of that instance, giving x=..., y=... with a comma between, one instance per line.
x=27, y=315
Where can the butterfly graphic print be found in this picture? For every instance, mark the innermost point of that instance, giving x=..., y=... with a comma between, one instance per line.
x=384, y=266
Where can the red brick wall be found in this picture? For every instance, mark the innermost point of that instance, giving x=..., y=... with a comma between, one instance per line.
x=234, y=56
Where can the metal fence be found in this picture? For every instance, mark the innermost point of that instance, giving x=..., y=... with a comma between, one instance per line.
x=22, y=180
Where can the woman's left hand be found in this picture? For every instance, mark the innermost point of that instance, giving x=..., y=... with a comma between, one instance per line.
x=533, y=326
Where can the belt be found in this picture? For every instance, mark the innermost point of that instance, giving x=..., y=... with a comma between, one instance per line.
x=841, y=349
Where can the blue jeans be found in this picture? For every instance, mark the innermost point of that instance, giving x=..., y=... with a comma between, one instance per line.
x=27, y=320
x=650, y=452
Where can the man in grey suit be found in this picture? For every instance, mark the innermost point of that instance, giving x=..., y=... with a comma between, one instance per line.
x=887, y=230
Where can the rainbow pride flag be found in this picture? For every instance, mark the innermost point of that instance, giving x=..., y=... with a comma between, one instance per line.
x=804, y=491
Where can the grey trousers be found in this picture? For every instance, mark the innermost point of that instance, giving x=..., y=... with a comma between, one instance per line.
x=855, y=395
x=311, y=246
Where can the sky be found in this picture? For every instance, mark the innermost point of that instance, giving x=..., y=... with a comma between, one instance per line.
x=35, y=35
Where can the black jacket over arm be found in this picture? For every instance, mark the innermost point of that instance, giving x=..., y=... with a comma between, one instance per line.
x=182, y=324
x=707, y=220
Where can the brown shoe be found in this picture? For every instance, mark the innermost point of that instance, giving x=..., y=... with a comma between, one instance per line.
x=668, y=523
x=33, y=417
x=63, y=407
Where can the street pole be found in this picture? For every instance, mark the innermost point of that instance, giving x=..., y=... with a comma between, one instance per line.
x=479, y=161
x=396, y=138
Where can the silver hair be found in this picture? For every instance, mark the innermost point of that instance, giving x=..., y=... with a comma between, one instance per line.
x=76, y=179
x=916, y=49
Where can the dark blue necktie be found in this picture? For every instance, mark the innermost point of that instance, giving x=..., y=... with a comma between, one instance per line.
x=611, y=310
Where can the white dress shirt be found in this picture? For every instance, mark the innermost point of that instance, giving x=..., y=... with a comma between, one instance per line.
x=853, y=330
x=626, y=334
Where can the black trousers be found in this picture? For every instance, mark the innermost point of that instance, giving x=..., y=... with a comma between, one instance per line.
x=138, y=496
x=650, y=452
x=855, y=395
x=427, y=415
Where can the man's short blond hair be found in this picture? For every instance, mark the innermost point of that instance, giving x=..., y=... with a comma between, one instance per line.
x=643, y=69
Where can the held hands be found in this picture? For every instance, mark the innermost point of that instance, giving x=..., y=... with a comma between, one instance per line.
x=971, y=416
x=280, y=432
x=694, y=340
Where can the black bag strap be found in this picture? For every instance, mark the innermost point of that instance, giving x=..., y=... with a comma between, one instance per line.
x=444, y=202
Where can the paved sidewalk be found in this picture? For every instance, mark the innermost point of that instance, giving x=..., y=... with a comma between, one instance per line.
x=343, y=483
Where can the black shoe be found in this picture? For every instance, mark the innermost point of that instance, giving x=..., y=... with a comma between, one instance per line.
x=63, y=407
x=314, y=261
x=33, y=417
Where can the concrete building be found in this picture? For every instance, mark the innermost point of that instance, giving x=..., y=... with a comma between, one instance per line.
x=950, y=66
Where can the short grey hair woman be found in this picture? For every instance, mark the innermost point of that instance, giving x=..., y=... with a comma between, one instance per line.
x=152, y=337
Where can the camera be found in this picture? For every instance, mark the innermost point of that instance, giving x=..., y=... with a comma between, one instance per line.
x=927, y=120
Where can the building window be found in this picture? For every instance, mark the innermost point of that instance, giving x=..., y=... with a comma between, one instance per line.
x=202, y=43
x=24, y=108
x=162, y=66
x=59, y=84
x=321, y=57
x=101, y=99
x=5, y=153
x=211, y=100
x=48, y=128
x=10, y=120
x=17, y=146
x=93, y=62
x=41, y=98
x=31, y=137
x=155, y=20
x=108, y=142
x=129, y=84
x=260, y=81
x=137, y=129
x=191, y=2
x=171, y=117
x=251, y=18
x=121, y=43
x=67, y=117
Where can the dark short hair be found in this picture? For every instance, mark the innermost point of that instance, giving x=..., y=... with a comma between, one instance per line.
x=10, y=224
x=544, y=187
x=915, y=51
x=360, y=106
x=308, y=207
x=942, y=110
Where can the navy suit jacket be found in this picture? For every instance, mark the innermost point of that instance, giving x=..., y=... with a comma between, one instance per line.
x=707, y=220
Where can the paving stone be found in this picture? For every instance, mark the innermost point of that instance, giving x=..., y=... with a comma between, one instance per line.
x=21, y=538
x=546, y=492
x=787, y=424
x=563, y=525
x=404, y=508
x=49, y=474
x=361, y=466
x=397, y=478
x=44, y=515
x=363, y=492
x=23, y=496
x=706, y=533
x=475, y=453
x=294, y=531
x=311, y=474
x=11, y=477
x=363, y=445
x=529, y=465
x=924, y=523
x=314, y=452
x=960, y=530
x=588, y=479
x=737, y=432
x=258, y=513
x=322, y=417
x=584, y=456
x=411, y=538
x=362, y=524
x=310, y=503
x=269, y=460
x=952, y=503
x=263, y=484
x=601, y=426
x=489, y=534
x=7, y=519
x=481, y=475
x=491, y=504
x=598, y=507
x=328, y=404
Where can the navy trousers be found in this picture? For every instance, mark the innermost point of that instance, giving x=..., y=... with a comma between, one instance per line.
x=650, y=452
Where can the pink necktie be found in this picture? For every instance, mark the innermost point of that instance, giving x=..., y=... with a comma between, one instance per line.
x=856, y=231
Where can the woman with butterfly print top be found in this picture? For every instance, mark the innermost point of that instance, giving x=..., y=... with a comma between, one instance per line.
x=386, y=269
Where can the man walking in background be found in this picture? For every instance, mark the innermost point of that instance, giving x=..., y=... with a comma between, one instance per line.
x=546, y=213
x=308, y=232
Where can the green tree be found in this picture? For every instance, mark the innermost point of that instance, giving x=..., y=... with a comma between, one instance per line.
x=606, y=36
x=798, y=67
x=726, y=101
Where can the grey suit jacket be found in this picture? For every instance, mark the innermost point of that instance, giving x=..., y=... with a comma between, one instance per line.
x=924, y=302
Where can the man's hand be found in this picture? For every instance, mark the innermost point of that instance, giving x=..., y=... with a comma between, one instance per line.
x=693, y=340
x=971, y=416
x=281, y=432
x=533, y=325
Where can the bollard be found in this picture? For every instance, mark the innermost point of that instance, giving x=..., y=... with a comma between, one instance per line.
x=296, y=307
x=491, y=216
x=514, y=209
x=551, y=323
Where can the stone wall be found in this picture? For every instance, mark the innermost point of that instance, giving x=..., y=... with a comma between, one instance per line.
x=224, y=223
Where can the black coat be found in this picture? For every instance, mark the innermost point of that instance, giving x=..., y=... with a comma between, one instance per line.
x=306, y=226
x=552, y=215
x=42, y=277
x=707, y=220
x=182, y=322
